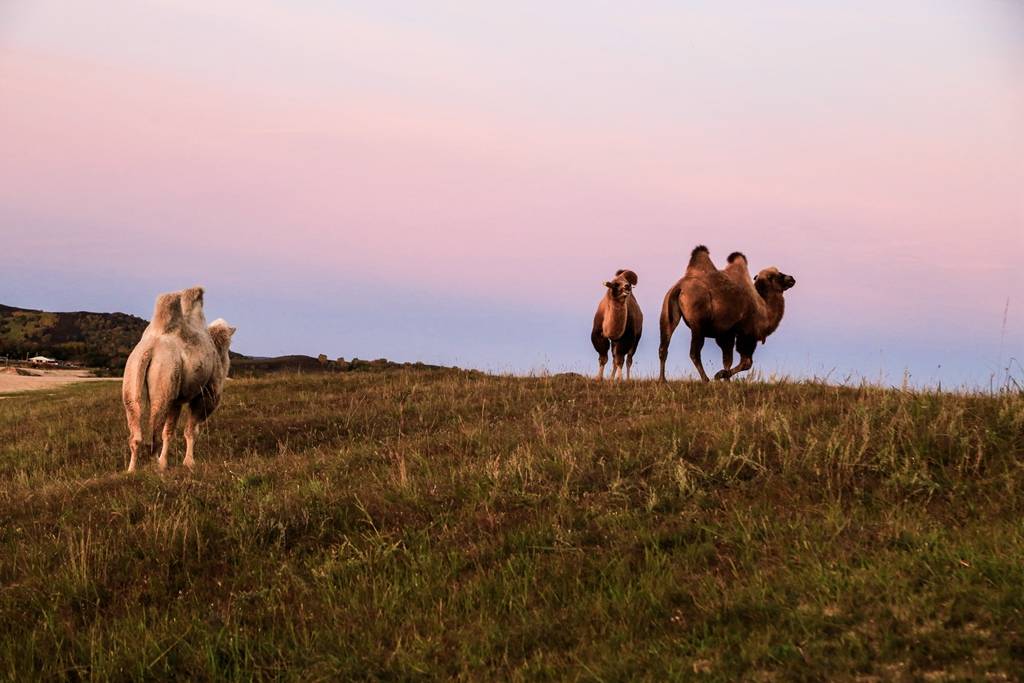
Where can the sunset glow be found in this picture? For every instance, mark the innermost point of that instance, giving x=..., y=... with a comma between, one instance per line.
x=452, y=182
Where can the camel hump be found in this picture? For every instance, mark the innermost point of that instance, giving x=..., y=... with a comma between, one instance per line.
x=700, y=259
x=737, y=255
x=166, y=313
x=191, y=299
x=192, y=307
x=737, y=270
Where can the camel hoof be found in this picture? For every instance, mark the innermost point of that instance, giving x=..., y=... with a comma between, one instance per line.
x=723, y=375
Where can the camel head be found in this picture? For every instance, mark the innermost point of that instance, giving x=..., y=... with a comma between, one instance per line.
x=622, y=285
x=221, y=333
x=773, y=280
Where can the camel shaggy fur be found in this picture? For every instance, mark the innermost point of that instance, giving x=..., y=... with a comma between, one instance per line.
x=618, y=324
x=177, y=362
x=726, y=305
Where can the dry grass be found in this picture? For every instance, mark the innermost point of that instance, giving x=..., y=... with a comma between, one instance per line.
x=437, y=524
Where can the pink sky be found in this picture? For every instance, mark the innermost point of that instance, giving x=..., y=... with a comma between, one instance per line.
x=490, y=164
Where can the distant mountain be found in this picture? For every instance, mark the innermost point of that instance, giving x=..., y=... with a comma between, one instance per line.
x=93, y=339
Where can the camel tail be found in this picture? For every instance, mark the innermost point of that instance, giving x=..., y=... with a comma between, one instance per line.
x=671, y=314
x=135, y=387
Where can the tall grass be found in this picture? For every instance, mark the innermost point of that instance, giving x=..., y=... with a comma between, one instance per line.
x=436, y=524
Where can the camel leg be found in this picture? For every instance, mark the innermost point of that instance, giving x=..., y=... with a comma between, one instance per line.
x=133, y=411
x=726, y=343
x=696, y=344
x=168, y=434
x=746, y=349
x=618, y=358
x=160, y=408
x=191, y=430
x=668, y=328
x=601, y=345
x=197, y=413
x=629, y=356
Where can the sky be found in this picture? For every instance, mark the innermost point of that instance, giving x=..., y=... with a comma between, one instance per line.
x=452, y=181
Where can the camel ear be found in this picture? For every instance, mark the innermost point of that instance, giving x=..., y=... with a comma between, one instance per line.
x=607, y=284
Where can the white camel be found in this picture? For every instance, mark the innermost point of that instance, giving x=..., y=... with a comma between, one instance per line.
x=178, y=362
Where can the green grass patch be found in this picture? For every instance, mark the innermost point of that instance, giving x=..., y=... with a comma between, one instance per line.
x=439, y=524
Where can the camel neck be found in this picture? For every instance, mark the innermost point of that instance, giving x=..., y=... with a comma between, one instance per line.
x=225, y=357
x=615, y=318
x=774, y=308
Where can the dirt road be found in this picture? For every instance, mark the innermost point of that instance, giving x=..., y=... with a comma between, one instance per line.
x=14, y=379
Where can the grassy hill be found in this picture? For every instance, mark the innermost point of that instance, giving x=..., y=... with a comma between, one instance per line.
x=93, y=339
x=432, y=524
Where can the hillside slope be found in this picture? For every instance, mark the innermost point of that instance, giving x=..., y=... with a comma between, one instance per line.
x=93, y=339
x=438, y=524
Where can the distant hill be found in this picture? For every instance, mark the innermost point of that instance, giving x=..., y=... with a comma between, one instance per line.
x=246, y=366
x=104, y=340
x=93, y=339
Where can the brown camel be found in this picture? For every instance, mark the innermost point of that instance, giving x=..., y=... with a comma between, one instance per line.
x=726, y=305
x=178, y=361
x=618, y=324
